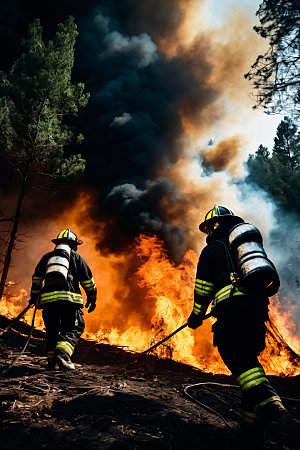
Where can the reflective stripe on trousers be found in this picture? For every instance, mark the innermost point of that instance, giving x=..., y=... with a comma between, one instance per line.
x=65, y=346
x=251, y=378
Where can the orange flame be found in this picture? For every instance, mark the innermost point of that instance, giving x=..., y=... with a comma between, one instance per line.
x=164, y=294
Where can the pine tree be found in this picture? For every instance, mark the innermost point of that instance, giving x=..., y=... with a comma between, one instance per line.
x=278, y=173
x=276, y=73
x=287, y=144
x=35, y=96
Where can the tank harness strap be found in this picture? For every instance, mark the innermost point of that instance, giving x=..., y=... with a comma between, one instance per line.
x=233, y=275
x=227, y=292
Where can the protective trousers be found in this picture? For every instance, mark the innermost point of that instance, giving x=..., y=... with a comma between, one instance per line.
x=240, y=340
x=64, y=325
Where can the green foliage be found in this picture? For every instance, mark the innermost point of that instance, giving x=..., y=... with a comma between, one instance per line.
x=73, y=166
x=287, y=145
x=35, y=95
x=279, y=173
x=275, y=74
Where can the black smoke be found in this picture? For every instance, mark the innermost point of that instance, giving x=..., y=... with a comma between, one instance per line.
x=133, y=123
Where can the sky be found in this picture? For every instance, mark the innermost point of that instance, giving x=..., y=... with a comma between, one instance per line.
x=265, y=125
x=257, y=126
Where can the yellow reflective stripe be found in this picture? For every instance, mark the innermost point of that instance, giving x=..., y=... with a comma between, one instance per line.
x=198, y=311
x=35, y=291
x=205, y=283
x=88, y=283
x=37, y=282
x=68, y=299
x=66, y=346
x=54, y=296
x=204, y=288
x=37, y=279
x=202, y=292
x=224, y=293
x=251, y=383
x=251, y=378
x=46, y=295
x=268, y=400
x=249, y=417
x=250, y=372
x=236, y=291
x=198, y=307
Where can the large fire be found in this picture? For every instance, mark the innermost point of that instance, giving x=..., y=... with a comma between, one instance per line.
x=141, y=304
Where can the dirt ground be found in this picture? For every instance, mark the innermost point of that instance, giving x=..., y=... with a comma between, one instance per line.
x=116, y=399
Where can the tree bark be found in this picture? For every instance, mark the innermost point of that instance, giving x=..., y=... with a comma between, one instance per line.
x=11, y=242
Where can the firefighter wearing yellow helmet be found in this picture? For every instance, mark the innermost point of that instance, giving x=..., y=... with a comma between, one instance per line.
x=239, y=332
x=56, y=287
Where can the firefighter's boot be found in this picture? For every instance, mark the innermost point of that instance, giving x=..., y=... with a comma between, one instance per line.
x=270, y=410
x=63, y=361
x=64, y=351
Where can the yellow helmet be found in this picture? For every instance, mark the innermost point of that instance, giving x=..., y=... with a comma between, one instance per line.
x=67, y=236
x=218, y=213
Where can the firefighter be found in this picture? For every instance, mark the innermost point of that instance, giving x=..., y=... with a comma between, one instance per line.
x=239, y=332
x=62, y=303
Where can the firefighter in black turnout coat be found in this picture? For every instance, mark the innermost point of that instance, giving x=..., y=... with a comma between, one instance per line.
x=62, y=302
x=239, y=332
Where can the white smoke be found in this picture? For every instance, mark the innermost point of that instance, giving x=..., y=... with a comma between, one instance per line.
x=140, y=49
x=119, y=121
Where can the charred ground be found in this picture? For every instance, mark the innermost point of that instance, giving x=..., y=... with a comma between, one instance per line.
x=116, y=399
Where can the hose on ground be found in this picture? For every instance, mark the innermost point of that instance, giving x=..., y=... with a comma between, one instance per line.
x=4, y=371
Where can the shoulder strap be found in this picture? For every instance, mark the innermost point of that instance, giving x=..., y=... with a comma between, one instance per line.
x=228, y=256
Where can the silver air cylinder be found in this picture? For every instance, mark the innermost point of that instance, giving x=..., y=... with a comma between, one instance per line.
x=58, y=265
x=256, y=272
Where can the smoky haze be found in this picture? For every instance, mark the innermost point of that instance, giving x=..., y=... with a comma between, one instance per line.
x=153, y=89
x=154, y=92
x=133, y=123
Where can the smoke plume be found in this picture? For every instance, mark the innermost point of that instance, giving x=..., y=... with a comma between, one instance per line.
x=163, y=81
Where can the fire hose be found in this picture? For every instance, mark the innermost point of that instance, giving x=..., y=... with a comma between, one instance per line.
x=230, y=386
x=171, y=335
x=27, y=340
x=197, y=384
x=22, y=313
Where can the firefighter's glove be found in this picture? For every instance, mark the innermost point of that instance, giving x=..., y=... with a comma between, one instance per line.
x=91, y=304
x=195, y=320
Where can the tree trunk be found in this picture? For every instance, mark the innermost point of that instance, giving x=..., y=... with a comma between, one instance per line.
x=14, y=230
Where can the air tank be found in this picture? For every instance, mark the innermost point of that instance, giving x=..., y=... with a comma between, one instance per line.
x=58, y=265
x=256, y=272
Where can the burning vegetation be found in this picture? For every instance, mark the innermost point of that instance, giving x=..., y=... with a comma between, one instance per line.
x=144, y=296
